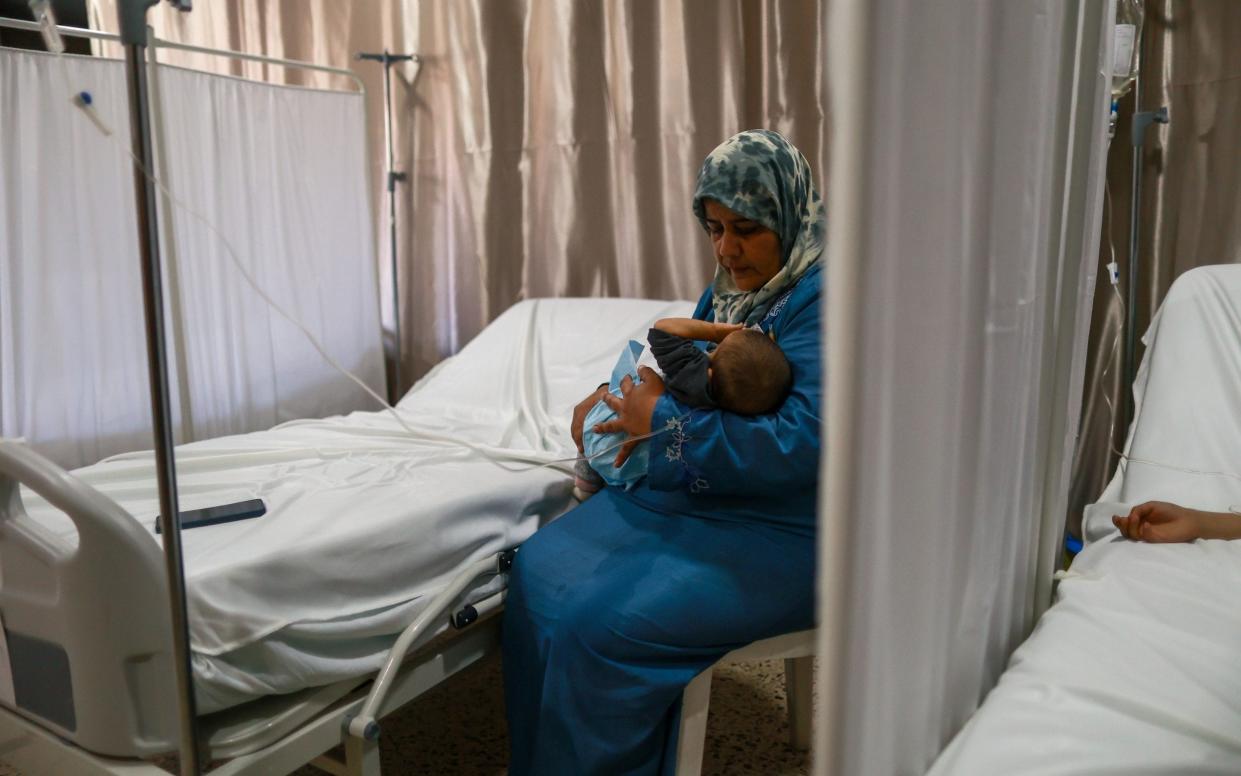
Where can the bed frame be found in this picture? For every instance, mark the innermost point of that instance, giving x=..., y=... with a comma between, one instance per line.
x=91, y=680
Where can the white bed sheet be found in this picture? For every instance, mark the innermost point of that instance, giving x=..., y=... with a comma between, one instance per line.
x=1137, y=667
x=365, y=523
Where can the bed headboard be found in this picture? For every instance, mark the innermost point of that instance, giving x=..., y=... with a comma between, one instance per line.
x=89, y=642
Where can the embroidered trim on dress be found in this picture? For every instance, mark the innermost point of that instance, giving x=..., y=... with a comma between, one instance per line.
x=675, y=454
x=778, y=306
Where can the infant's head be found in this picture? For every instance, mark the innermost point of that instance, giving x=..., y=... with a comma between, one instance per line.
x=749, y=373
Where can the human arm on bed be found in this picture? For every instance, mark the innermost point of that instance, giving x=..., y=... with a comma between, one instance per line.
x=1161, y=522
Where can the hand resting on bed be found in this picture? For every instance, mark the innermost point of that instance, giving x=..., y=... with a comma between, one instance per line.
x=1160, y=522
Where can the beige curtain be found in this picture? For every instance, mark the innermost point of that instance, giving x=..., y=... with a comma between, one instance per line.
x=551, y=145
x=1190, y=213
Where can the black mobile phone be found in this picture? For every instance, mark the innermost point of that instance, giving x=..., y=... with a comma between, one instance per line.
x=225, y=513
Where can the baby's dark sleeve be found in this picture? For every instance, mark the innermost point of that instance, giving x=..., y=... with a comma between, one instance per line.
x=684, y=367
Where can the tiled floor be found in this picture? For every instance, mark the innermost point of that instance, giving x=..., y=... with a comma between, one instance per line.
x=458, y=728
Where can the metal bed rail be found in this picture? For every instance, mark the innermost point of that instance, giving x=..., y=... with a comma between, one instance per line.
x=155, y=42
x=281, y=733
x=364, y=726
x=34, y=749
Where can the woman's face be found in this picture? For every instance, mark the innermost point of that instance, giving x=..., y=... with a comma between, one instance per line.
x=747, y=249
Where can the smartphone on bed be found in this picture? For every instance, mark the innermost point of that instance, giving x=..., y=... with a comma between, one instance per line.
x=225, y=513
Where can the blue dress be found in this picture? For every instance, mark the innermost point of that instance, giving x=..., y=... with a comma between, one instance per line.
x=613, y=608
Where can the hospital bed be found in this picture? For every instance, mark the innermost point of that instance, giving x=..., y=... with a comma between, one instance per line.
x=368, y=529
x=1136, y=668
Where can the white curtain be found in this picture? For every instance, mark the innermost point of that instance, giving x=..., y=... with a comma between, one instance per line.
x=965, y=204
x=72, y=354
x=280, y=171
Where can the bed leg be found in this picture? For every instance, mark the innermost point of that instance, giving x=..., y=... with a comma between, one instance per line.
x=361, y=757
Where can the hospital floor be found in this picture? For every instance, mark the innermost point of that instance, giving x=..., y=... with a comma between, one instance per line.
x=457, y=729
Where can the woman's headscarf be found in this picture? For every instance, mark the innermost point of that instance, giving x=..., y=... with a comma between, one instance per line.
x=761, y=176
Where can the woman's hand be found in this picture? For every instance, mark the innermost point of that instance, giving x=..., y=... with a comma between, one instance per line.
x=633, y=408
x=580, y=411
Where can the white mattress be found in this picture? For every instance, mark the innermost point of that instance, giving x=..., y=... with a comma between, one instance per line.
x=1137, y=667
x=365, y=523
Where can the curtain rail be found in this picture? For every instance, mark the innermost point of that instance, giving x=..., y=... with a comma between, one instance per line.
x=80, y=32
x=75, y=32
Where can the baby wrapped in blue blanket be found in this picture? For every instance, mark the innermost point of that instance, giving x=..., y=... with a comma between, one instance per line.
x=743, y=372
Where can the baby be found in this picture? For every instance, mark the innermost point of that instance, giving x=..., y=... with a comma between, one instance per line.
x=745, y=373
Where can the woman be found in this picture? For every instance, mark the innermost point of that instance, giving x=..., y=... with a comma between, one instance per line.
x=616, y=606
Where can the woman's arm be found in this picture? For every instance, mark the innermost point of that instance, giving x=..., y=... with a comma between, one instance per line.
x=692, y=329
x=1159, y=522
x=721, y=453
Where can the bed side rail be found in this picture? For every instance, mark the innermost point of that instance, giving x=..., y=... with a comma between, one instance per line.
x=87, y=628
x=365, y=725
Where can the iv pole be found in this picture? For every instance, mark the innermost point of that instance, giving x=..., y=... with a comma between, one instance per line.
x=1141, y=122
x=394, y=176
x=132, y=14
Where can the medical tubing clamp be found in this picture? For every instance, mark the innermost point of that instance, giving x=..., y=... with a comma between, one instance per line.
x=364, y=725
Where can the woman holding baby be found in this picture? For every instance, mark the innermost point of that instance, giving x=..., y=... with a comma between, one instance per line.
x=613, y=608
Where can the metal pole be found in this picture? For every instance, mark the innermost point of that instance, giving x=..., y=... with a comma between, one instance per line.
x=396, y=275
x=394, y=176
x=165, y=464
x=1141, y=122
x=156, y=43
x=1131, y=270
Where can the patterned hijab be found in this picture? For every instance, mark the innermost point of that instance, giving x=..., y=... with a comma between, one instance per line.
x=761, y=176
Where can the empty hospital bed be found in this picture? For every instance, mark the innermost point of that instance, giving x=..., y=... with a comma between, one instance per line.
x=1136, y=669
x=290, y=612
